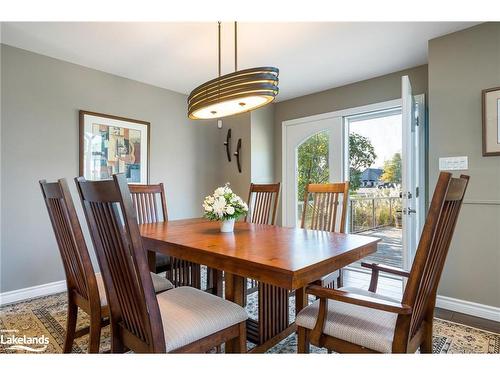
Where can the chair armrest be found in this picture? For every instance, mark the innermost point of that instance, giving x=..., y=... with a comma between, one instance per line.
x=359, y=300
x=377, y=268
x=384, y=268
x=326, y=280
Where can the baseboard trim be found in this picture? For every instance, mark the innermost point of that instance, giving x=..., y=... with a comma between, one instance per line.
x=32, y=292
x=469, y=308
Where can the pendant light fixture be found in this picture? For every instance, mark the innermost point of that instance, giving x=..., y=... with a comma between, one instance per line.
x=233, y=93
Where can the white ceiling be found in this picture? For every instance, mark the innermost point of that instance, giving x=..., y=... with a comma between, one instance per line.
x=180, y=56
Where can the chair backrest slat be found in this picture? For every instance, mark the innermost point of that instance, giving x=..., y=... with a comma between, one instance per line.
x=420, y=292
x=145, y=200
x=78, y=268
x=263, y=202
x=327, y=204
x=115, y=233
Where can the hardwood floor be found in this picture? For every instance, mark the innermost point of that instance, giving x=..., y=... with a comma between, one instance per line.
x=468, y=320
x=392, y=287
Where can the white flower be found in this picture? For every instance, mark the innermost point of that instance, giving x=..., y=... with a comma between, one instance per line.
x=219, y=191
x=230, y=210
x=244, y=206
x=210, y=199
x=207, y=207
x=219, y=206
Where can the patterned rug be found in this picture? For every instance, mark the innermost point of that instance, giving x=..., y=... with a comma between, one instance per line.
x=46, y=317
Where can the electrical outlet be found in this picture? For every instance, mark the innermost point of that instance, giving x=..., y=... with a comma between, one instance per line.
x=456, y=163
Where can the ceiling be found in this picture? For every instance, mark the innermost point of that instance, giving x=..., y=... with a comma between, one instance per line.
x=180, y=56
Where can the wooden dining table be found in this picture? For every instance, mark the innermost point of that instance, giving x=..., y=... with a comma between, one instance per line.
x=286, y=258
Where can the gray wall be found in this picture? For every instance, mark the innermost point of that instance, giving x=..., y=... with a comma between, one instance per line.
x=39, y=139
x=262, y=138
x=375, y=90
x=257, y=150
x=460, y=66
x=228, y=171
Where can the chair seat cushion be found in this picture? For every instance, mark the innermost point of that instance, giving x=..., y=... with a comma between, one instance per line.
x=160, y=284
x=188, y=314
x=367, y=327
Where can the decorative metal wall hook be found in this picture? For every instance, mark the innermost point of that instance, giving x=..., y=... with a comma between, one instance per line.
x=228, y=144
x=237, y=154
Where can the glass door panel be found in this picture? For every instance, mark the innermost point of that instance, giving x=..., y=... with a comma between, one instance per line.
x=312, y=165
x=314, y=153
x=375, y=147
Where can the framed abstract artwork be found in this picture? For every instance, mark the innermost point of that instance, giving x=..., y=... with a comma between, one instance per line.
x=112, y=144
x=491, y=121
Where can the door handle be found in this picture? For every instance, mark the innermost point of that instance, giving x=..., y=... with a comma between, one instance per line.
x=411, y=211
x=405, y=195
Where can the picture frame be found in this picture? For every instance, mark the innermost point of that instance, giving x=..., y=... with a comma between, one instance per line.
x=111, y=144
x=491, y=121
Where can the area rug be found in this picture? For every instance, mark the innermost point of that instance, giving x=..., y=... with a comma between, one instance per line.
x=46, y=317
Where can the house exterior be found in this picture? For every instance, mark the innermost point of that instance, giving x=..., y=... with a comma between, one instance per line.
x=370, y=177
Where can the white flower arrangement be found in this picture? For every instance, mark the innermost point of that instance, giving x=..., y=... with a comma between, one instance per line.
x=223, y=205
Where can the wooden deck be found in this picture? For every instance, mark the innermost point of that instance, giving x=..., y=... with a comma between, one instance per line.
x=390, y=249
x=388, y=286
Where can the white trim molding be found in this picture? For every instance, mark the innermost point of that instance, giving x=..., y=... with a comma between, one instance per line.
x=469, y=308
x=389, y=104
x=32, y=292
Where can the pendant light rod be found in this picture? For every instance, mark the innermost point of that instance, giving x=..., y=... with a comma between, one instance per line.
x=219, y=47
x=235, y=46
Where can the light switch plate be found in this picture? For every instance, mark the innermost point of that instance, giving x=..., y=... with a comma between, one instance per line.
x=455, y=163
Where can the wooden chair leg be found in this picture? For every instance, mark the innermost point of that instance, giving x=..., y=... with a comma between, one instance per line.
x=241, y=346
x=302, y=340
x=116, y=343
x=426, y=346
x=95, y=333
x=238, y=344
x=70, y=326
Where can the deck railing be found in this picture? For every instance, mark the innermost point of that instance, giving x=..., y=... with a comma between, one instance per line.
x=373, y=212
x=367, y=213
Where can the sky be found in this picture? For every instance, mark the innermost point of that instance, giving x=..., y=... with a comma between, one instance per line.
x=385, y=133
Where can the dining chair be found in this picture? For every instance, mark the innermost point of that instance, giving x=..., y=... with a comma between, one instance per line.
x=263, y=202
x=150, y=205
x=325, y=209
x=352, y=320
x=85, y=288
x=182, y=319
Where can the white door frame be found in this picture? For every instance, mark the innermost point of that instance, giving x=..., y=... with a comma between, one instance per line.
x=421, y=163
x=323, y=116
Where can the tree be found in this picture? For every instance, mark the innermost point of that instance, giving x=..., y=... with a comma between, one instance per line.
x=312, y=158
x=392, y=169
x=361, y=156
